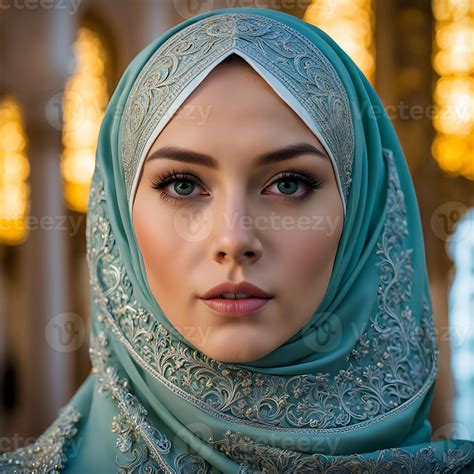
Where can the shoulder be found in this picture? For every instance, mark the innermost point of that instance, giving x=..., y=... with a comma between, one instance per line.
x=48, y=452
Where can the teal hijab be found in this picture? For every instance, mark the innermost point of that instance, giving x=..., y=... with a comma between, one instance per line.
x=350, y=391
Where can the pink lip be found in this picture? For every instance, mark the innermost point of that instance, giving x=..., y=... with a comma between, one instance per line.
x=231, y=287
x=236, y=307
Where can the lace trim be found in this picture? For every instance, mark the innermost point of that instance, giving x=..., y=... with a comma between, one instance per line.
x=254, y=457
x=47, y=453
x=393, y=364
x=141, y=445
x=286, y=54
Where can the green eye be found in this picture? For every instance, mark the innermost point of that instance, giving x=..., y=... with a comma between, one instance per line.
x=287, y=184
x=185, y=189
x=285, y=189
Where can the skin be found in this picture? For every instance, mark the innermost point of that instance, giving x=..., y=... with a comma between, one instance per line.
x=244, y=118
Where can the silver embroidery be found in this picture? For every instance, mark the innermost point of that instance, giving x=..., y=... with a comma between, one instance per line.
x=191, y=463
x=392, y=366
x=134, y=430
x=48, y=453
x=251, y=456
x=288, y=55
x=254, y=457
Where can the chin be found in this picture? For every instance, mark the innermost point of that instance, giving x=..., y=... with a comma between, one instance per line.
x=235, y=356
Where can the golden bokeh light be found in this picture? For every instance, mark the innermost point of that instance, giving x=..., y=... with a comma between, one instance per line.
x=85, y=100
x=453, y=93
x=351, y=24
x=14, y=173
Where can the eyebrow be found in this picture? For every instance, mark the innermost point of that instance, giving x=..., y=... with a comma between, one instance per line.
x=291, y=151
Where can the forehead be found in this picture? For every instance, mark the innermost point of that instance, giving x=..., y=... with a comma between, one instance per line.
x=233, y=97
x=235, y=86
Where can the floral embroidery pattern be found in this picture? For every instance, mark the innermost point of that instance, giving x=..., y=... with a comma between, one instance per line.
x=131, y=424
x=256, y=457
x=136, y=444
x=48, y=453
x=141, y=445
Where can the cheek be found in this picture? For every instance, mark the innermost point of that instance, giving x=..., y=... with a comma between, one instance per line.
x=157, y=243
x=309, y=260
x=307, y=249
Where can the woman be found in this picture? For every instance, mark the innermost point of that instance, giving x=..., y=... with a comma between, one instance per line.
x=260, y=294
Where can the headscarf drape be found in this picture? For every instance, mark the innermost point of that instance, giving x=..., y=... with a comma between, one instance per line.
x=351, y=389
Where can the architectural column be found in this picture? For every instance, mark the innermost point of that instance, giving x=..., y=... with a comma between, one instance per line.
x=39, y=60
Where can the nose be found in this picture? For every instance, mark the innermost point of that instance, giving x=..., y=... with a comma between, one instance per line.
x=235, y=238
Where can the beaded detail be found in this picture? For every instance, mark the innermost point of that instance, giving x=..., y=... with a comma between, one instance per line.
x=254, y=457
x=277, y=48
x=48, y=453
x=141, y=445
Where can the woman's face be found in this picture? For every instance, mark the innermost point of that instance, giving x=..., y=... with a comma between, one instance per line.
x=276, y=225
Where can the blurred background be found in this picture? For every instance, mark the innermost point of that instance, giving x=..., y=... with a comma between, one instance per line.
x=60, y=61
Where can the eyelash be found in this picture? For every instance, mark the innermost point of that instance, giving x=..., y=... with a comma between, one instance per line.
x=292, y=173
